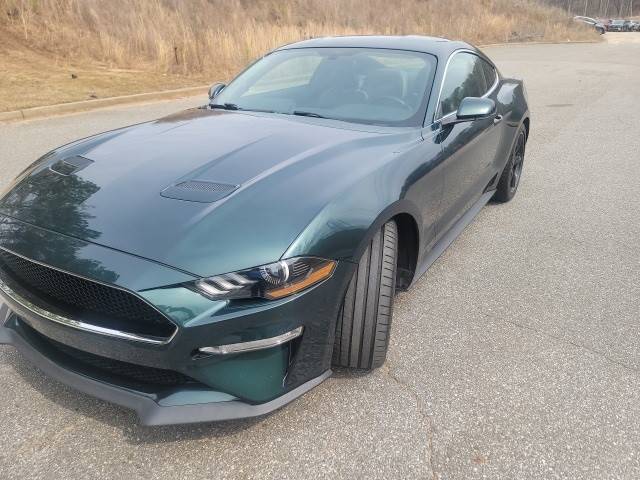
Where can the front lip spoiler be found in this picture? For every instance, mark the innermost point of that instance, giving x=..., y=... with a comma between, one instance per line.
x=149, y=411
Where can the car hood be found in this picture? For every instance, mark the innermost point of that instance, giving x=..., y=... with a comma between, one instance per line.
x=203, y=191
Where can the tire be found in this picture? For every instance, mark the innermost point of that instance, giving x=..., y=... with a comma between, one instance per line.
x=512, y=173
x=364, y=321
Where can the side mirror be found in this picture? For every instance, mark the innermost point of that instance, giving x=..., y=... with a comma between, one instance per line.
x=472, y=108
x=215, y=89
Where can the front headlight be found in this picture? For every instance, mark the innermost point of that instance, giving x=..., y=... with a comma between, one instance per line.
x=272, y=281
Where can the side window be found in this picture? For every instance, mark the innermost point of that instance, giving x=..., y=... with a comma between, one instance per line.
x=489, y=73
x=464, y=78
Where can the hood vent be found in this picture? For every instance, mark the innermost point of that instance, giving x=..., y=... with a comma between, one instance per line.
x=198, y=191
x=70, y=165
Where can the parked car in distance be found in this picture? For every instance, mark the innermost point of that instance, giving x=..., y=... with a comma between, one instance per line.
x=617, y=26
x=215, y=263
x=596, y=24
x=634, y=26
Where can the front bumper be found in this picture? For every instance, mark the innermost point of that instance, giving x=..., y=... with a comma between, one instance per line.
x=151, y=409
x=154, y=405
x=224, y=386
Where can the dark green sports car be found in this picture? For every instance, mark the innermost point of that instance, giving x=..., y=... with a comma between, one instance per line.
x=216, y=263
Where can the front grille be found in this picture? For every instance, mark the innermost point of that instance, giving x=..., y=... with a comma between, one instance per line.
x=117, y=369
x=76, y=297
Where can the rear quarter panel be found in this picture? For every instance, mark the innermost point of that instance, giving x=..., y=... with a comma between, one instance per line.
x=511, y=102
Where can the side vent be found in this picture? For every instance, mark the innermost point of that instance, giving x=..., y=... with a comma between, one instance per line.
x=198, y=191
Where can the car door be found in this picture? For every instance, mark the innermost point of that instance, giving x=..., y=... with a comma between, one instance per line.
x=469, y=148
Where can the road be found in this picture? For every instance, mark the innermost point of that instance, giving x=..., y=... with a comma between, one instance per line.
x=516, y=356
x=616, y=38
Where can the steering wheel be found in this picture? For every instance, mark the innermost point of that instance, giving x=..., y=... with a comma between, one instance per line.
x=393, y=101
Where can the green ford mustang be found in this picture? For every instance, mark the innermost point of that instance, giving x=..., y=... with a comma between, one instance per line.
x=216, y=263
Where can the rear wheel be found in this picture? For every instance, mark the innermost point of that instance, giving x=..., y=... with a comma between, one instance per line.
x=364, y=321
x=510, y=178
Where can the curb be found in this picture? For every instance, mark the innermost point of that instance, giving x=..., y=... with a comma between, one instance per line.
x=86, y=105
x=11, y=116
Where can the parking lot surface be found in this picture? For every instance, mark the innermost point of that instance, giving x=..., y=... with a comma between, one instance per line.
x=516, y=356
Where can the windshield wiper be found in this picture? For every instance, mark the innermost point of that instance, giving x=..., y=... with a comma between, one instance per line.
x=233, y=106
x=307, y=114
x=225, y=106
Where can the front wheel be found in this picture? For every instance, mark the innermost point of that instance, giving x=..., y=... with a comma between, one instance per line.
x=364, y=321
x=510, y=178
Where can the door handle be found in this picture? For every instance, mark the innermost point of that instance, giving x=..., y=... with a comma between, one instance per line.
x=497, y=119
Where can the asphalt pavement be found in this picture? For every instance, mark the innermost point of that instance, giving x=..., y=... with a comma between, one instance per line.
x=516, y=356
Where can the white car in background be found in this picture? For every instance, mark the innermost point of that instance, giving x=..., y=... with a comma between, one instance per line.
x=598, y=25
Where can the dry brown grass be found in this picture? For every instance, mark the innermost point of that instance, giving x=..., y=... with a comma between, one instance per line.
x=215, y=38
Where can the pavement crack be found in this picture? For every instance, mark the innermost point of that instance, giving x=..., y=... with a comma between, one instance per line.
x=574, y=344
x=422, y=411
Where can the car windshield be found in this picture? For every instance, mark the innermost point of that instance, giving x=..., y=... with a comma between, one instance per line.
x=361, y=85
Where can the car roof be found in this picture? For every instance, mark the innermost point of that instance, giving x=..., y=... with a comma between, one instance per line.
x=440, y=47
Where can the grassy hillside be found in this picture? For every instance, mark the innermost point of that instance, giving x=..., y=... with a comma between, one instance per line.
x=124, y=46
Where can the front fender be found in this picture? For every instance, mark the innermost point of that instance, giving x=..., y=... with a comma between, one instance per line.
x=409, y=184
x=344, y=234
